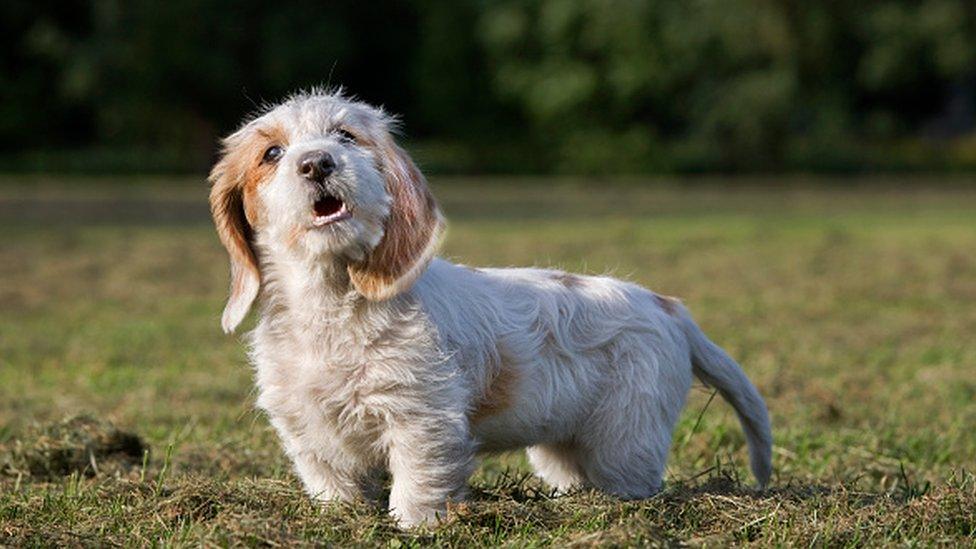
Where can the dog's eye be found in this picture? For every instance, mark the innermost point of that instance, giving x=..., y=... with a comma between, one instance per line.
x=272, y=154
x=345, y=135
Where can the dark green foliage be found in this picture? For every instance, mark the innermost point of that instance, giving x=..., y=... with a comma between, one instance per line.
x=509, y=85
x=736, y=84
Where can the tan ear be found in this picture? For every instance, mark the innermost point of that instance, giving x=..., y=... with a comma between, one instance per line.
x=227, y=207
x=412, y=231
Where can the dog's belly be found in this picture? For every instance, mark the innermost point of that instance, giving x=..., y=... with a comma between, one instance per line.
x=549, y=402
x=507, y=432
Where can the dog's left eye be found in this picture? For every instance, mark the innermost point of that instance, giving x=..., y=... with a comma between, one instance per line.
x=345, y=135
x=272, y=154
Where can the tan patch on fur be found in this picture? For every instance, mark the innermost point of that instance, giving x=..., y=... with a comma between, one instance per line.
x=233, y=199
x=242, y=170
x=293, y=235
x=667, y=304
x=412, y=228
x=568, y=280
x=498, y=397
x=256, y=172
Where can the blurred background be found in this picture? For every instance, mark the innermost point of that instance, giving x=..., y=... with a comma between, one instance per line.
x=799, y=173
x=549, y=86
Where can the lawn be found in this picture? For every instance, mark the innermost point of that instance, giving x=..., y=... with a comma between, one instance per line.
x=127, y=417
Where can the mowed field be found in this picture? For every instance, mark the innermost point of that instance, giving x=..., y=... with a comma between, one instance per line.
x=127, y=418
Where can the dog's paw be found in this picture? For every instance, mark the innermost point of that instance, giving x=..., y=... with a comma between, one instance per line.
x=418, y=517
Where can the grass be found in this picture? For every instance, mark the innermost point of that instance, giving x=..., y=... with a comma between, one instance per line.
x=126, y=417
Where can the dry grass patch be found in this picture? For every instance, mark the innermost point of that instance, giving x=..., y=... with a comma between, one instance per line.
x=851, y=309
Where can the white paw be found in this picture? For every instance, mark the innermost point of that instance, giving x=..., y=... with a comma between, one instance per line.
x=408, y=517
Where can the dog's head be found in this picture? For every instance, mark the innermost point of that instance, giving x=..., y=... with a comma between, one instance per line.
x=320, y=176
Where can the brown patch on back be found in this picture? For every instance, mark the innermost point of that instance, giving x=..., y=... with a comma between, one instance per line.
x=568, y=280
x=667, y=304
x=498, y=397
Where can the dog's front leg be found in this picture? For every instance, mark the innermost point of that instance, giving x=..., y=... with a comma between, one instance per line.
x=430, y=461
x=325, y=482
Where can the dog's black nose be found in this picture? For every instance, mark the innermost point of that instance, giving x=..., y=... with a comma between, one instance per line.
x=316, y=165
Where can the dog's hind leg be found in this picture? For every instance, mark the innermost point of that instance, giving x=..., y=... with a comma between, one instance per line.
x=624, y=443
x=626, y=468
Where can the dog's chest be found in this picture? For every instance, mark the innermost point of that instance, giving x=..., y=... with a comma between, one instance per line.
x=313, y=388
x=334, y=389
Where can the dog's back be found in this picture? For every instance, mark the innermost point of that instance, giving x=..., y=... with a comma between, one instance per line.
x=559, y=359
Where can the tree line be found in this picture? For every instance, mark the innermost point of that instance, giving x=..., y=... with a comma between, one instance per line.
x=575, y=86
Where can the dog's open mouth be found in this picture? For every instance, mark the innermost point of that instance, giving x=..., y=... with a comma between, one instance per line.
x=329, y=209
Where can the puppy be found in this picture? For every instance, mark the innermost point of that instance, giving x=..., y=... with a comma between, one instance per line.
x=371, y=354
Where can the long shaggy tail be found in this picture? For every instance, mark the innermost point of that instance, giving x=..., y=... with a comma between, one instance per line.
x=716, y=368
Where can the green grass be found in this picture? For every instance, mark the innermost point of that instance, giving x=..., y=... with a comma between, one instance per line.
x=850, y=305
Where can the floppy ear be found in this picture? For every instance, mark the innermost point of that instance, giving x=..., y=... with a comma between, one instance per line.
x=412, y=231
x=227, y=206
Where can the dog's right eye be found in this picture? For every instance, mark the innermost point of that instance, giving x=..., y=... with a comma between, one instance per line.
x=272, y=154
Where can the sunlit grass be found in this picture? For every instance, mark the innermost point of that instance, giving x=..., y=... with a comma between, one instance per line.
x=851, y=309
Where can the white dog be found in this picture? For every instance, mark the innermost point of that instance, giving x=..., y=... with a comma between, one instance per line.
x=371, y=355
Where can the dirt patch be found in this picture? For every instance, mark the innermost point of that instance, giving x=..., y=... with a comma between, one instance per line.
x=81, y=444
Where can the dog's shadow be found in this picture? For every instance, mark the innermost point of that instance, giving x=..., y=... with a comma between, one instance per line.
x=515, y=486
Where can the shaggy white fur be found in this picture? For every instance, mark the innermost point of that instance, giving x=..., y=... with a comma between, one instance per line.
x=371, y=355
